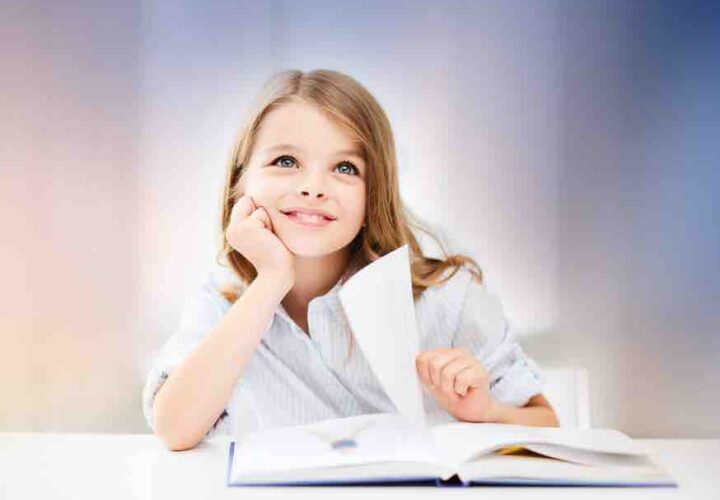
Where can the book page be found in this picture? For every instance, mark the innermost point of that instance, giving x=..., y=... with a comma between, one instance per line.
x=516, y=469
x=363, y=439
x=587, y=457
x=378, y=303
x=459, y=442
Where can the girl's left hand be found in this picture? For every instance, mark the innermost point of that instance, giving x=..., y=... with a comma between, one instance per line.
x=458, y=382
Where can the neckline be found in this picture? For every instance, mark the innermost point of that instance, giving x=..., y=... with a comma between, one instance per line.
x=331, y=296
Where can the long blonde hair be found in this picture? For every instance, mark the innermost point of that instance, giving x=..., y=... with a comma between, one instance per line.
x=389, y=222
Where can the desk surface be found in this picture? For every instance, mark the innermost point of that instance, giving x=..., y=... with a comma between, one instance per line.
x=80, y=466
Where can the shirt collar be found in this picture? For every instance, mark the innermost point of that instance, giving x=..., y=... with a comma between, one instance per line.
x=330, y=299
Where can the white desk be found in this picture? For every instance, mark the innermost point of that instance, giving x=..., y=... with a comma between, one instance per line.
x=94, y=466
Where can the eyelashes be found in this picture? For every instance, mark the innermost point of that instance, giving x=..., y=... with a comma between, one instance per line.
x=355, y=170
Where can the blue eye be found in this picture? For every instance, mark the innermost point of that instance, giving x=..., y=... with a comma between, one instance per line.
x=353, y=168
x=282, y=158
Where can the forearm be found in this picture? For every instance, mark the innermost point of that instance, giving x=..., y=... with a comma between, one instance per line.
x=539, y=416
x=196, y=392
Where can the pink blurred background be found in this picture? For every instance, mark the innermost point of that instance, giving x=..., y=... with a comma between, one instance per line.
x=567, y=146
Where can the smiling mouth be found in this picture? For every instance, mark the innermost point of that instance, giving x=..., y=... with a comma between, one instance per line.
x=310, y=220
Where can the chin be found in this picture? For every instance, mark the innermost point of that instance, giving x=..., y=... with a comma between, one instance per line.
x=304, y=242
x=311, y=247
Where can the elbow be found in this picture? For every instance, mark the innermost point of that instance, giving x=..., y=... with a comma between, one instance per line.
x=180, y=446
x=174, y=442
x=551, y=418
x=172, y=438
x=549, y=415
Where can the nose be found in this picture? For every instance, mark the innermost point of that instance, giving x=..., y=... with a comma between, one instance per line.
x=311, y=185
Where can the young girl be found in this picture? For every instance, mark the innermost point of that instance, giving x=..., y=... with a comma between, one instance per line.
x=311, y=196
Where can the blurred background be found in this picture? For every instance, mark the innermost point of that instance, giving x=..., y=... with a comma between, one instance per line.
x=570, y=147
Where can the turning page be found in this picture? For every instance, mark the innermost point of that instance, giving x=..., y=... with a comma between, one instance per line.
x=379, y=305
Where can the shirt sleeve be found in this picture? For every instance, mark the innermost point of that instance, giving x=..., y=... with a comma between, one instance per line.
x=202, y=312
x=484, y=330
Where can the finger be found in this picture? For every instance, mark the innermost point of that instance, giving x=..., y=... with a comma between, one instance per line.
x=445, y=399
x=422, y=363
x=421, y=366
x=267, y=219
x=466, y=379
x=431, y=352
x=243, y=208
x=437, y=363
x=450, y=371
x=423, y=359
x=261, y=215
x=421, y=372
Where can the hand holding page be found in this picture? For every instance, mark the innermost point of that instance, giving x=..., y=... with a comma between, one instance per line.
x=379, y=306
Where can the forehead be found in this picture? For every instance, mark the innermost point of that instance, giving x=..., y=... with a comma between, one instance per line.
x=304, y=127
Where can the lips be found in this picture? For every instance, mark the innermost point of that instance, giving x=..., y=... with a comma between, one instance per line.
x=308, y=213
x=307, y=220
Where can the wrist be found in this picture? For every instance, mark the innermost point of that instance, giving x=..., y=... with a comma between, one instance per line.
x=278, y=283
x=498, y=412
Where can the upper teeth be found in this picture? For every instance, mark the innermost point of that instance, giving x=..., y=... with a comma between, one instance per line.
x=310, y=217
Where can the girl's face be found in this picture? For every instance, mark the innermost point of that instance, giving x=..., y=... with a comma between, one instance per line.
x=302, y=160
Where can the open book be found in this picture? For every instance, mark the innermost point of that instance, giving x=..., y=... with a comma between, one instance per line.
x=386, y=448
x=401, y=447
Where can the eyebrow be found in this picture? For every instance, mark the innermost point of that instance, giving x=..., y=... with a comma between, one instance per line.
x=345, y=152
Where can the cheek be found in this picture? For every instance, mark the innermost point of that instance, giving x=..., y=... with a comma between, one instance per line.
x=262, y=190
x=355, y=206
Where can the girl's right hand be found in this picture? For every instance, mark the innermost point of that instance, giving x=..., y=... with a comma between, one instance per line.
x=250, y=232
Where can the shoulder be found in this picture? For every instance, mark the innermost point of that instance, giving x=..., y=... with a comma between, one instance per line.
x=462, y=299
x=203, y=308
x=454, y=292
x=439, y=307
x=221, y=284
x=207, y=301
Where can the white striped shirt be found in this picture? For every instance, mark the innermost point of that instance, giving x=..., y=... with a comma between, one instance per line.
x=293, y=378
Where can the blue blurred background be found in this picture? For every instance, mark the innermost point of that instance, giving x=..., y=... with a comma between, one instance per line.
x=570, y=147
